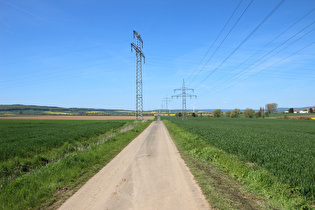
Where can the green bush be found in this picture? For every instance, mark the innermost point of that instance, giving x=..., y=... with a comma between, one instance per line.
x=228, y=114
x=249, y=113
x=217, y=113
x=235, y=113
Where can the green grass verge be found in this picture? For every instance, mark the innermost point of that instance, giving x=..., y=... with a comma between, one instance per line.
x=286, y=148
x=26, y=145
x=210, y=166
x=41, y=188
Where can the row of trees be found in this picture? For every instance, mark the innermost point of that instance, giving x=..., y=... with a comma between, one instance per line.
x=249, y=113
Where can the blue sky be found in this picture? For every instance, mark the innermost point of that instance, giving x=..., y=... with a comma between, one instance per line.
x=76, y=53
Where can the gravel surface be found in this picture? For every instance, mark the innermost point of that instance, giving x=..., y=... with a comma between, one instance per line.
x=148, y=174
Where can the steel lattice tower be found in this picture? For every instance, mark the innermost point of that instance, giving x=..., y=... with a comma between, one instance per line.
x=184, y=95
x=139, y=54
x=167, y=99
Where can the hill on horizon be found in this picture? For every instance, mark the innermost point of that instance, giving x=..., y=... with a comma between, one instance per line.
x=15, y=109
x=50, y=110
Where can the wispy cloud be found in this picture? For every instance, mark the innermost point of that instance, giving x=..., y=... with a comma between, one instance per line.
x=24, y=11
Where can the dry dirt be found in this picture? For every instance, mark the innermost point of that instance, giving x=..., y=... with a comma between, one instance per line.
x=148, y=174
x=50, y=117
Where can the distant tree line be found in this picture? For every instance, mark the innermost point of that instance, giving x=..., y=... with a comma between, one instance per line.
x=236, y=113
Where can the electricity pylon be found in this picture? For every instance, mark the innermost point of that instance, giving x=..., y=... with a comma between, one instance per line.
x=184, y=95
x=139, y=54
x=166, y=103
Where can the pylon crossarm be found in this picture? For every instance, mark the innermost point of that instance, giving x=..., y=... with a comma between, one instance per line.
x=136, y=34
x=177, y=96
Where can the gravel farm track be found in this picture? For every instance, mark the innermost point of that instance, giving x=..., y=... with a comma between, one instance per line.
x=51, y=117
x=148, y=174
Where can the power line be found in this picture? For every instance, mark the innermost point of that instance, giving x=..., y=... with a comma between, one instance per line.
x=242, y=72
x=166, y=100
x=261, y=49
x=214, y=41
x=269, y=66
x=139, y=54
x=256, y=28
x=280, y=61
x=223, y=40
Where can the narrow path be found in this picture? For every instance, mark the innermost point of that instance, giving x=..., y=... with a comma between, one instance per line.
x=148, y=174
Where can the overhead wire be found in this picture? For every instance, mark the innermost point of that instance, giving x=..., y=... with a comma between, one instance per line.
x=286, y=46
x=261, y=49
x=222, y=40
x=252, y=32
x=267, y=67
x=214, y=42
x=242, y=71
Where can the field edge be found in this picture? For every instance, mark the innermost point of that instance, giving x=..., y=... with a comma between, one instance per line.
x=253, y=183
x=50, y=186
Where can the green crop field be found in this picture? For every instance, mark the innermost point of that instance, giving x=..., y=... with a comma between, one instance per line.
x=26, y=138
x=44, y=161
x=29, y=144
x=286, y=148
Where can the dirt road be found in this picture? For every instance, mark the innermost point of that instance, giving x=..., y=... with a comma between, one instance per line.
x=148, y=174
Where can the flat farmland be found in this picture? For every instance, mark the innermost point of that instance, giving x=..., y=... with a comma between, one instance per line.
x=43, y=157
x=50, y=117
x=28, y=144
x=25, y=138
x=284, y=149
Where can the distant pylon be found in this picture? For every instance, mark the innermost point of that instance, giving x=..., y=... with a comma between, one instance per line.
x=139, y=55
x=184, y=95
x=166, y=103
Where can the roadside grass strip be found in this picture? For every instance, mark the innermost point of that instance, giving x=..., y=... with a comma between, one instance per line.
x=30, y=144
x=286, y=148
x=213, y=169
x=48, y=186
